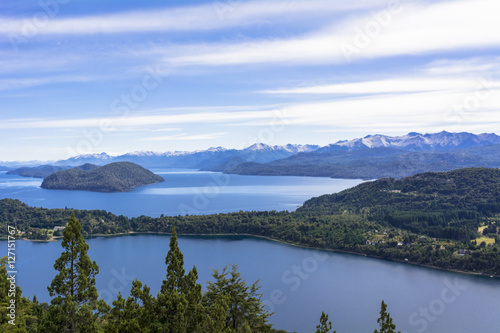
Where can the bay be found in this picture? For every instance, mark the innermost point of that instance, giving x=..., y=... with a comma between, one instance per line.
x=297, y=283
x=183, y=192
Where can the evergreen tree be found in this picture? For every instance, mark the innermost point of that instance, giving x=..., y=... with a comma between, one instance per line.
x=73, y=308
x=324, y=325
x=245, y=304
x=123, y=317
x=385, y=321
x=216, y=313
x=134, y=314
x=179, y=301
x=27, y=312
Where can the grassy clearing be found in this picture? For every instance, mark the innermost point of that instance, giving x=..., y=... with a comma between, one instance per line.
x=488, y=241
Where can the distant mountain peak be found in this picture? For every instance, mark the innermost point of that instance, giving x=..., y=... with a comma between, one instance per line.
x=102, y=155
x=216, y=149
x=259, y=146
x=263, y=153
x=143, y=153
x=414, y=141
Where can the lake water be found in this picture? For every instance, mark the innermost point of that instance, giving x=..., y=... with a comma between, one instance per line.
x=297, y=283
x=183, y=192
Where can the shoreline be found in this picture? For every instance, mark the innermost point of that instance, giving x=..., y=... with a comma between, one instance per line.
x=54, y=238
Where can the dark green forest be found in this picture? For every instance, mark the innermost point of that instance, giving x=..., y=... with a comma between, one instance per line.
x=113, y=177
x=430, y=219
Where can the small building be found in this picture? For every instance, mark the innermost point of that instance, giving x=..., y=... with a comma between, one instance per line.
x=462, y=252
x=59, y=228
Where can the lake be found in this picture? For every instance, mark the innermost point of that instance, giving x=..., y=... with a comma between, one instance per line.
x=297, y=283
x=183, y=192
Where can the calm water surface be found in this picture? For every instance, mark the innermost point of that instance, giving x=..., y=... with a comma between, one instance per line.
x=183, y=192
x=297, y=283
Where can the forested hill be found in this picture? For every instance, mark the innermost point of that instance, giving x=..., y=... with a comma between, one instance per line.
x=114, y=177
x=425, y=219
x=43, y=171
x=435, y=203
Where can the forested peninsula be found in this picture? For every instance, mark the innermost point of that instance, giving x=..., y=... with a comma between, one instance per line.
x=446, y=220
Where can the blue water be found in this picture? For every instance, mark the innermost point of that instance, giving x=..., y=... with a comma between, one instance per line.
x=297, y=283
x=183, y=192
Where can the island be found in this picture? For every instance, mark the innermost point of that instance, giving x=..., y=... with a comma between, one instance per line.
x=113, y=177
x=446, y=220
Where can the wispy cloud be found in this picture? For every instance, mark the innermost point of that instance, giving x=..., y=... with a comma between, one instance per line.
x=216, y=15
x=414, y=29
x=399, y=85
x=138, y=121
x=19, y=83
x=463, y=76
x=187, y=137
x=377, y=110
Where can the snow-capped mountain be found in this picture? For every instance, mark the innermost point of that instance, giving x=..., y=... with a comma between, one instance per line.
x=417, y=142
x=98, y=159
x=289, y=148
x=215, y=157
x=207, y=158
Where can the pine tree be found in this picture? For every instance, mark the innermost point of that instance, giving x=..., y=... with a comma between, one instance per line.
x=73, y=308
x=385, y=321
x=216, y=313
x=244, y=301
x=134, y=314
x=123, y=317
x=324, y=325
x=179, y=301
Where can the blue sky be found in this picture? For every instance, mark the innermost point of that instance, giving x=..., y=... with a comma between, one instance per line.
x=87, y=76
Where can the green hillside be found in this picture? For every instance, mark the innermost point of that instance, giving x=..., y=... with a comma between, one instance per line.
x=439, y=204
x=446, y=220
x=114, y=177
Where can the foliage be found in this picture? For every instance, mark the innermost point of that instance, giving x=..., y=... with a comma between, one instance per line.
x=424, y=219
x=41, y=171
x=27, y=314
x=75, y=302
x=113, y=177
x=385, y=321
x=447, y=205
x=228, y=305
x=245, y=308
x=324, y=326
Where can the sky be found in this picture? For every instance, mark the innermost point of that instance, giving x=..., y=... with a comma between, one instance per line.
x=116, y=76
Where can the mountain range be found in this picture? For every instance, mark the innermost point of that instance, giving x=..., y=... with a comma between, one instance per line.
x=417, y=142
x=199, y=159
x=373, y=156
